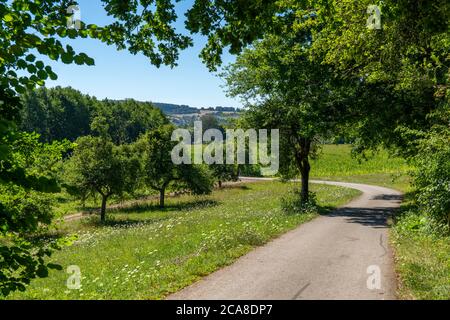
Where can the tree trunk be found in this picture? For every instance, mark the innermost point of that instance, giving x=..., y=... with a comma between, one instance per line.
x=302, y=158
x=305, y=169
x=103, y=210
x=220, y=184
x=161, y=197
x=448, y=220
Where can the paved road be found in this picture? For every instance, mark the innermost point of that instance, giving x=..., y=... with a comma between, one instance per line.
x=331, y=257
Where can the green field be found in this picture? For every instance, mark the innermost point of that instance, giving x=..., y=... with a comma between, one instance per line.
x=336, y=160
x=147, y=253
x=336, y=163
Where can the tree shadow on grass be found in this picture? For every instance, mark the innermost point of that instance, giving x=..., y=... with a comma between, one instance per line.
x=235, y=186
x=115, y=220
x=154, y=207
x=124, y=223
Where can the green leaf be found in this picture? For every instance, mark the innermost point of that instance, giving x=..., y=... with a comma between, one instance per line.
x=67, y=58
x=62, y=32
x=30, y=58
x=8, y=18
x=22, y=64
x=42, y=75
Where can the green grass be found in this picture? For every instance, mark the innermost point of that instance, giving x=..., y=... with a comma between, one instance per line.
x=147, y=253
x=66, y=204
x=336, y=160
x=335, y=163
x=422, y=256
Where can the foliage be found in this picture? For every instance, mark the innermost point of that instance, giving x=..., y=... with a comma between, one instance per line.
x=128, y=119
x=31, y=29
x=26, y=210
x=335, y=161
x=422, y=250
x=292, y=203
x=402, y=68
x=159, y=171
x=224, y=172
x=98, y=166
x=65, y=113
x=285, y=90
x=432, y=174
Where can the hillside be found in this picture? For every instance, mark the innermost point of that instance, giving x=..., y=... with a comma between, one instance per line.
x=184, y=115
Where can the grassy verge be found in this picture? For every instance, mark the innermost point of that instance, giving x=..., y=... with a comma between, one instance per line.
x=422, y=257
x=147, y=253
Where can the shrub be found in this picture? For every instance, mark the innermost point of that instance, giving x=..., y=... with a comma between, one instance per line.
x=432, y=175
x=293, y=204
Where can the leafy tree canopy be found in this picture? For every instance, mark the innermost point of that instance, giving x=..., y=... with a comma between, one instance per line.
x=65, y=113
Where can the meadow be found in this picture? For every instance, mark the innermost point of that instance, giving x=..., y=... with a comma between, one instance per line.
x=336, y=163
x=144, y=252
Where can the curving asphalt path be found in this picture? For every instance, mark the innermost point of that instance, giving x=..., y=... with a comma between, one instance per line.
x=336, y=256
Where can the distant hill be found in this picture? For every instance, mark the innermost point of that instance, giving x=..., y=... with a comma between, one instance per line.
x=171, y=109
x=184, y=115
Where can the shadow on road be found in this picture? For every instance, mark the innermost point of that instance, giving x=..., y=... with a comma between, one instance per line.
x=373, y=217
x=389, y=197
x=376, y=217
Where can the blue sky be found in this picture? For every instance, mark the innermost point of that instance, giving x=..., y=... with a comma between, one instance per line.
x=119, y=74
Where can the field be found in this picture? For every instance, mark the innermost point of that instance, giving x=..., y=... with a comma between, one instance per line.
x=336, y=163
x=147, y=253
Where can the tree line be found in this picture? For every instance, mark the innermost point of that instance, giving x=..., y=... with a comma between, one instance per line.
x=65, y=113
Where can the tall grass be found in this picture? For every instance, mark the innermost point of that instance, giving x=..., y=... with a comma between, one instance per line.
x=336, y=160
